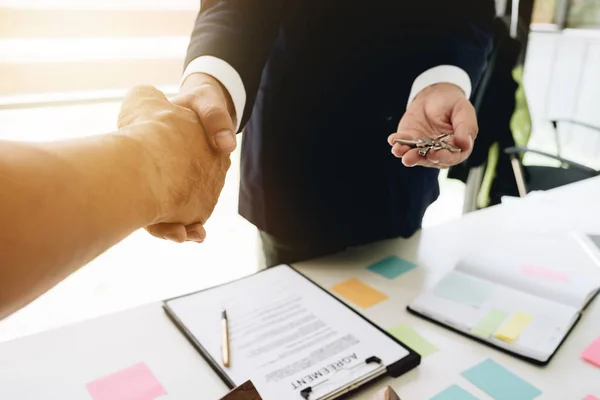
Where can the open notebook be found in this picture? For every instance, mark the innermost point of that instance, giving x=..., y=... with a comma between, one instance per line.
x=522, y=296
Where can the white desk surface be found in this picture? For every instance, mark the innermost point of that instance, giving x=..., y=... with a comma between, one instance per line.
x=57, y=364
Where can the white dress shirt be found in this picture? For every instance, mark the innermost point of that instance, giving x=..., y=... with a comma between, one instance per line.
x=231, y=80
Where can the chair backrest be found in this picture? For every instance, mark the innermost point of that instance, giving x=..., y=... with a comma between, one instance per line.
x=520, y=123
x=483, y=101
x=495, y=100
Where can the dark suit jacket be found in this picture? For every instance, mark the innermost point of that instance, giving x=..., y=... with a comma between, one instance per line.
x=327, y=81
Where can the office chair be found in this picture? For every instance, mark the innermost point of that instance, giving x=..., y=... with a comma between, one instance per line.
x=536, y=177
x=487, y=173
x=495, y=168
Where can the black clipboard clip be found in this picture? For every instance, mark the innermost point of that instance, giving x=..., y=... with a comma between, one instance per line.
x=306, y=392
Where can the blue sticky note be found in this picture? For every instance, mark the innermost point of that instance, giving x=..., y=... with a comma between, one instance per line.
x=463, y=289
x=499, y=382
x=454, y=393
x=392, y=267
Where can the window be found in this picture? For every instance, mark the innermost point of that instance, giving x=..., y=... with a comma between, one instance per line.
x=544, y=11
x=584, y=14
x=81, y=47
x=567, y=13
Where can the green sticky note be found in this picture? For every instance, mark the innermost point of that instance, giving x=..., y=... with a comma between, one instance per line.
x=412, y=339
x=489, y=324
x=463, y=289
x=454, y=392
x=392, y=267
x=499, y=382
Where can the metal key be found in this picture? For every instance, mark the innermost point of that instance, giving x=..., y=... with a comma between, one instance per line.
x=449, y=147
x=419, y=143
x=425, y=145
x=423, y=142
x=424, y=150
x=443, y=145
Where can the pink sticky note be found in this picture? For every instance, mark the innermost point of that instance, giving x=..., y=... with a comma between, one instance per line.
x=592, y=353
x=134, y=383
x=590, y=397
x=545, y=273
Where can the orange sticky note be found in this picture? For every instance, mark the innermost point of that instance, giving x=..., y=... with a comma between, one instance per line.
x=359, y=293
x=510, y=331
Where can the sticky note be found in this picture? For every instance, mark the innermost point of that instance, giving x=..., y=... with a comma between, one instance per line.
x=488, y=324
x=590, y=397
x=463, y=289
x=359, y=293
x=510, y=331
x=499, y=382
x=545, y=273
x=412, y=339
x=134, y=383
x=592, y=353
x=454, y=392
x=391, y=267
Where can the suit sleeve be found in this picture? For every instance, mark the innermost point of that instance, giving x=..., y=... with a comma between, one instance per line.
x=458, y=36
x=231, y=40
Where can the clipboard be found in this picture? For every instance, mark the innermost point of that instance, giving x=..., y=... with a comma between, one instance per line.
x=369, y=375
x=366, y=370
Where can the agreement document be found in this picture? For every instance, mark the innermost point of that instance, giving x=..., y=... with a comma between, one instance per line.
x=290, y=337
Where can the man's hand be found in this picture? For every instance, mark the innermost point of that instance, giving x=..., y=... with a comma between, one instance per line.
x=204, y=95
x=438, y=109
x=190, y=174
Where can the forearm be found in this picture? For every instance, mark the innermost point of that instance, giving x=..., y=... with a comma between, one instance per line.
x=63, y=204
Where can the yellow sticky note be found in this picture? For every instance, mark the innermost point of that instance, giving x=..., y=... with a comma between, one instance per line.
x=510, y=331
x=359, y=293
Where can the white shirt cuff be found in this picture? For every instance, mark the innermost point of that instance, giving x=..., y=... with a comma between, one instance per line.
x=224, y=73
x=441, y=74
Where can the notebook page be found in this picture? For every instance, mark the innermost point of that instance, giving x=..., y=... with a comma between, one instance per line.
x=549, y=323
x=286, y=333
x=554, y=267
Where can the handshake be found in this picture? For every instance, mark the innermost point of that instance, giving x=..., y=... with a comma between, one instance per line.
x=187, y=142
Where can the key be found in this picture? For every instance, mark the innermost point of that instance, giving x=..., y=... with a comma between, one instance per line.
x=423, y=142
x=424, y=150
x=442, y=144
x=419, y=143
x=426, y=144
x=448, y=146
